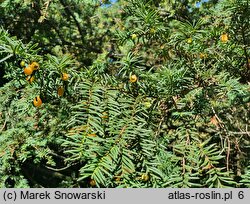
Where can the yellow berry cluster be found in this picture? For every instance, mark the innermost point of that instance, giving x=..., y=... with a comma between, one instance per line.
x=29, y=71
x=30, y=68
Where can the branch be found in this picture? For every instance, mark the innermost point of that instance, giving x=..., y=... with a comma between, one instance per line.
x=70, y=13
x=61, y=169
x=9, y=56
x=38, y=170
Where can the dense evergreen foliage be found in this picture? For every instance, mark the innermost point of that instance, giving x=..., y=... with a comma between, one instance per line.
x=132, y=93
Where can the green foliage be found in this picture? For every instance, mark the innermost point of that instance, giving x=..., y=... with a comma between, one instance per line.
x=245, y=178
x=182, y=121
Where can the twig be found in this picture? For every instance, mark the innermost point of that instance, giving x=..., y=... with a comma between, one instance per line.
x=44, y=11
x=183, y=166
x=55, y=154
x=159, y=126
x=240, y=133
x=228, y=152
x=238, y=152
x=3, y=126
